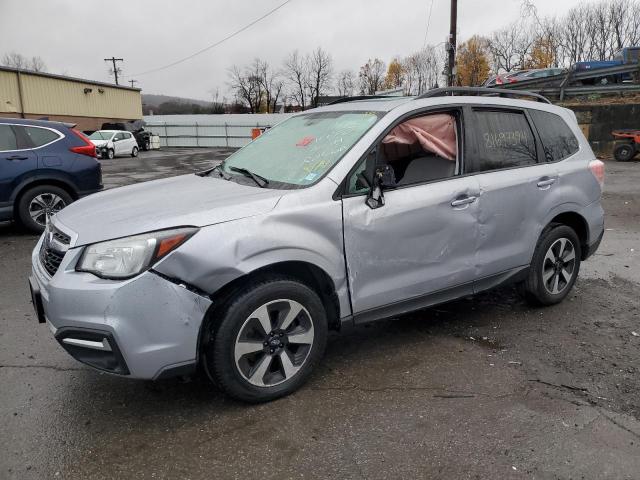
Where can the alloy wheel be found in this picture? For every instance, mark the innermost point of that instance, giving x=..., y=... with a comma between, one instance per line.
x=558, y=266
x=274, y=343
x=43, y=206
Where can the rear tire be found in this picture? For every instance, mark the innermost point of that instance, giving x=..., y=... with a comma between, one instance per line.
x=624, y=152
x=134, y=152
x=253, y=365
x=36, y=203
x=554, y=268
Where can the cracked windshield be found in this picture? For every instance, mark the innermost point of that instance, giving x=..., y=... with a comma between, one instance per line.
x=302, y=149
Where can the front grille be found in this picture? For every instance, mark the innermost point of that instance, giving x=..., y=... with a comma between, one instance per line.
x=63, y=238
x=50, y=258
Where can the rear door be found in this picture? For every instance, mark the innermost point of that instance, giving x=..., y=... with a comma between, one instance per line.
x=16, y=160
x=505, y=158
x=43, y=141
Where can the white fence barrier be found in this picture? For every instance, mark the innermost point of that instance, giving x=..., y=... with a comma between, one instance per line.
x=208, y=130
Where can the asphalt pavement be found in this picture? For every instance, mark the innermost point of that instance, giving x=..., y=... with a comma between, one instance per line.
x=484, y=387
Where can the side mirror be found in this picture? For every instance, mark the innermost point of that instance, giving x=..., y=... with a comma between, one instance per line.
x=115, y=139
x=383, y=178
x=375, y=199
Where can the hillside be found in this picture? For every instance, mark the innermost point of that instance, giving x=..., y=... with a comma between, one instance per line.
x=152, y=100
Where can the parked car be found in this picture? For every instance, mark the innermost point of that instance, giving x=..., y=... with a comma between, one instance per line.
x=340, y=215
x=111, y=143
x=44, y=166
x=136, y=127
x=509, y=77
x=539, y=73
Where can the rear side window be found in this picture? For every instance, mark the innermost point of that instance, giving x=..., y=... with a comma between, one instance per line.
x=503, y=140
x=40, y=136
x=558, y=140
x=7, y=138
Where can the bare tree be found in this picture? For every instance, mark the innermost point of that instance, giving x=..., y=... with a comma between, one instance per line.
x=421, y=70
x=503, y=45
x=345, y=83
x=246, y=86
x=296, y=71
x=371, y=76
x=37, y=64
x=320, y=66
x=17, y=60
x=270, y=82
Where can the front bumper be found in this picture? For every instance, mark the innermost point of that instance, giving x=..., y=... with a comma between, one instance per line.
x=144, y=327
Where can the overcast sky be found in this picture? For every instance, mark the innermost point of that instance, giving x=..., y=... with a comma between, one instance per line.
x=74, y=36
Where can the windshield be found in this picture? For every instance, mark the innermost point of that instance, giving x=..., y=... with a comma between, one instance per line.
x=100, y=135
x=300, y=150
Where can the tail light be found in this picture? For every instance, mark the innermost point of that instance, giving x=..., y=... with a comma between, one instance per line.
x=88, y=148
x=597, y=168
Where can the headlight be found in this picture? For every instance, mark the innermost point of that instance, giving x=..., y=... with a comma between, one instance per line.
x=127, y=257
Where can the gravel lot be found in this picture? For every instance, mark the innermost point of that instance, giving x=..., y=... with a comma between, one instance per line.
x=484, y=387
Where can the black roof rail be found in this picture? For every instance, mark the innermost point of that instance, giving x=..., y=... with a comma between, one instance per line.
x=490, y=92
x=358, y=97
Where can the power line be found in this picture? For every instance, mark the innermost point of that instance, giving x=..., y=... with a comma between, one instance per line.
x=228, y=37
x=115, y=67
x=426, y=32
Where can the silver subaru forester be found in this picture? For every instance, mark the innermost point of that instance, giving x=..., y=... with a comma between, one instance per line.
x=344, y=214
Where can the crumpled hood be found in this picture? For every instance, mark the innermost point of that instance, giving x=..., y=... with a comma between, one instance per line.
x=99, y=143
x=160, y=204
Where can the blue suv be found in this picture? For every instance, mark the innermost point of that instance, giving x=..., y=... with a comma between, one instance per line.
x=44, y=166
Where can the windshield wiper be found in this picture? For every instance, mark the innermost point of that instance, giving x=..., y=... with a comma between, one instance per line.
x=260, y=181
x=220, y=170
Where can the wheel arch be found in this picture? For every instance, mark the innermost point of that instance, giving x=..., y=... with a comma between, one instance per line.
x=305, y=272
x=38, y=181
x=577, y=223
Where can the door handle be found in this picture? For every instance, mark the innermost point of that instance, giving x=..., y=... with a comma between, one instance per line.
x=545, y=183
x=460, y=202
x=17, y=157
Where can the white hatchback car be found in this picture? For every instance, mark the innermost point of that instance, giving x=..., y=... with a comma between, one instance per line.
x=110, y=143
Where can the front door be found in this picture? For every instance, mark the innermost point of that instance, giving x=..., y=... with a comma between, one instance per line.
x=420, y=243
x=119, y=144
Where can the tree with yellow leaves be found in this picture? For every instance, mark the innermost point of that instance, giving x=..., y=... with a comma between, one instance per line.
x=543, y=54
x=395, y=75
x=472, y=62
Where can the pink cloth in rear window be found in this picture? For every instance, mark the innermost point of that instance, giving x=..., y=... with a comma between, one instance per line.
x=434, y=133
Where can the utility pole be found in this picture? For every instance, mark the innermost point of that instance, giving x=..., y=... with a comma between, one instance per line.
x=115, y=67
x=451, y=73
x=132, y=82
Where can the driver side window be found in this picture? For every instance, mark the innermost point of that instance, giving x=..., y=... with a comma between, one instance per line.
x=418, y=150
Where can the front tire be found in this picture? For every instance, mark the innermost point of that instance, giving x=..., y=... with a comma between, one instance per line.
x=554, y=268
x=267, y=339
x=37, y=203
x=111, y=154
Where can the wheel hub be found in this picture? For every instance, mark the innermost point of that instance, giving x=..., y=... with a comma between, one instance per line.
x=273, y=343
x=558, y=266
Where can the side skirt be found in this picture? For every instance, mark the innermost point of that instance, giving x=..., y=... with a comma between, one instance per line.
x=434, y=298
